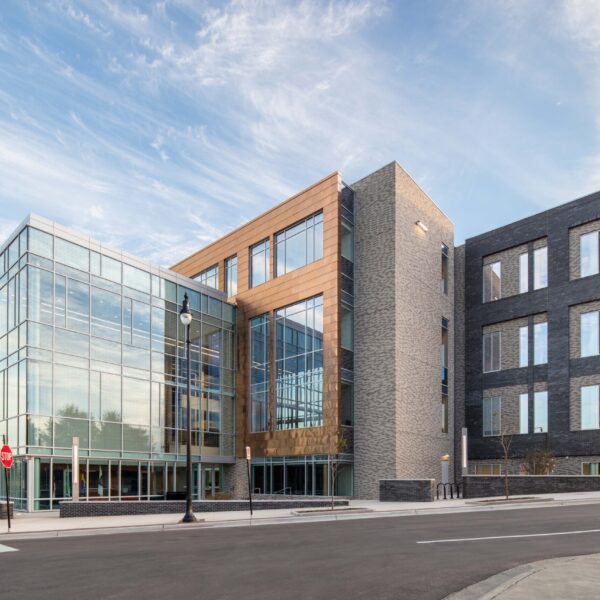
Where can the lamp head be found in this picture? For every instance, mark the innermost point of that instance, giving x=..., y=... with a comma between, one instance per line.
x=185, y=314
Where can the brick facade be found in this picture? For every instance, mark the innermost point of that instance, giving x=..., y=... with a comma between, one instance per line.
x=574, y=234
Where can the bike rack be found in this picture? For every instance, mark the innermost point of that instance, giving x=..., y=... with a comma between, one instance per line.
x=452, y=487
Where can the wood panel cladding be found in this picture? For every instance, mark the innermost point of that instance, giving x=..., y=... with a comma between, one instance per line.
x=320, y=277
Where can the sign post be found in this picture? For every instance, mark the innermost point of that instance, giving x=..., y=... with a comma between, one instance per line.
x=248, y=458
x=6, y=457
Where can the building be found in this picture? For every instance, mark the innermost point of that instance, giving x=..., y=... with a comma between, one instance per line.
x=528, y=356
x=340, y=336
x=344, y=296
x=91, y=347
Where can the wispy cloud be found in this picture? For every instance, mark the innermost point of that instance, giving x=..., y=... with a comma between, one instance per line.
x=160, y=126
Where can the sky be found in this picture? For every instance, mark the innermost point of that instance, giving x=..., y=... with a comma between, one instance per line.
x=159, y=126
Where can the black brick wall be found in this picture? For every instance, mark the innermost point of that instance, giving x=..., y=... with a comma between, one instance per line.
x=111, y=509
x=406, y=490
x=555, y=300
x=484, y=486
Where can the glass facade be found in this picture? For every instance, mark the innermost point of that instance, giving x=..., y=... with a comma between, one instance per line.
x=301, y=476
x=299, y=365
x=299, y=245
x=91, y=346
x=259, y=373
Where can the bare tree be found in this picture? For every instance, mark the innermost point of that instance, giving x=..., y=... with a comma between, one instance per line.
x=341, y=440
x=539, y=462
x=505, y=441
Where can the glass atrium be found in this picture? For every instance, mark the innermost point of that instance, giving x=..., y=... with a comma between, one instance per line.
x=91, y=346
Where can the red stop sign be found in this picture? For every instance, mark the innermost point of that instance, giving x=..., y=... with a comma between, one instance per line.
x=6, y=456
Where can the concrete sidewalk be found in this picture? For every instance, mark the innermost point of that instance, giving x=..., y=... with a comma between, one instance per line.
x=555, y=578
x=31, y=525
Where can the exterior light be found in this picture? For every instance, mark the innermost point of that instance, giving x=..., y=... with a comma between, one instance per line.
x=422, y=226
x=185, y=314
x=446, y=457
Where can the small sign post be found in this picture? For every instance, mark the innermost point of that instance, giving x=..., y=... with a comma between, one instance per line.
x=6, y=456
x=248, y=458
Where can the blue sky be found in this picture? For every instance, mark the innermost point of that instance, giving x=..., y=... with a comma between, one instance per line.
x=159, y=126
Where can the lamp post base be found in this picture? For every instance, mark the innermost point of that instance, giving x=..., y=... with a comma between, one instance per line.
x=190, y=518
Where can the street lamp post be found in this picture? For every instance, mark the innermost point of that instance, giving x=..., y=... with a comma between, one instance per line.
x=186, y=319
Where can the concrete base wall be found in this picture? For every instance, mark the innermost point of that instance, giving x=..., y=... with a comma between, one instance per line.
x=406, y=490
x=111, y=509
x=485, y=486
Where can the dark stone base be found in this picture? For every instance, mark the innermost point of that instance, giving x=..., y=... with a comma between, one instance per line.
x=3, y=510
x=485, y=486
x=112, y=509
x=406, y=490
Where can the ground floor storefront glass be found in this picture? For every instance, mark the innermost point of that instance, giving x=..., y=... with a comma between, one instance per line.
x=302, y=476
x=50, y=481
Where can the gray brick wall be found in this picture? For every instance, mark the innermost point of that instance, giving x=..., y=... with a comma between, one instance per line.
x=485, y=486
x=407, y=490
x=110, y=509
x=398, y=310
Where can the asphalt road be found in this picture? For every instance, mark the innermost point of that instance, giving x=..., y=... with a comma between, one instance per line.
x=372, y=558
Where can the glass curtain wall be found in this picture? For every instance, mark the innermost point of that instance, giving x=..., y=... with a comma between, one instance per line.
x=259, y=373
x=93, y=347
x=299, y=365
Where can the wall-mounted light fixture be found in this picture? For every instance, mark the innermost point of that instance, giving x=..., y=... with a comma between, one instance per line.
x=422, y=226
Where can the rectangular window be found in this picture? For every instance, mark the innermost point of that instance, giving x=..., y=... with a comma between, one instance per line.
x=299, y=365
x=259, y=263
x=590, y=415
x=588, y=254
x=231, y=276
x=523, y=346
x=299, y=245
x=71, y=255
x=492, y=348
x=540, y=412
x=590, y=469
x=445, y=258
x=495, y=469
x=590, y=334
x=523, y=413
x=540, y=268
x=492, y=282
x=540, y=343
x=492, y=416
x=209, y=277
x=444, y=355
x=347, y=327
x=444, y=413
x=523, y=273
x=259, y=373
x=347, y=242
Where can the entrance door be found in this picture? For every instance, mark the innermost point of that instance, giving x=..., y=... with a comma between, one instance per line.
x=212, y=481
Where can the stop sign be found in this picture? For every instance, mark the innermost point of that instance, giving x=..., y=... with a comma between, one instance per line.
x=6, y=456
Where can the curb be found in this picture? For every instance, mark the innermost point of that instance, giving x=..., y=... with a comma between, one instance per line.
x=282, y=520
x=494, y=586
